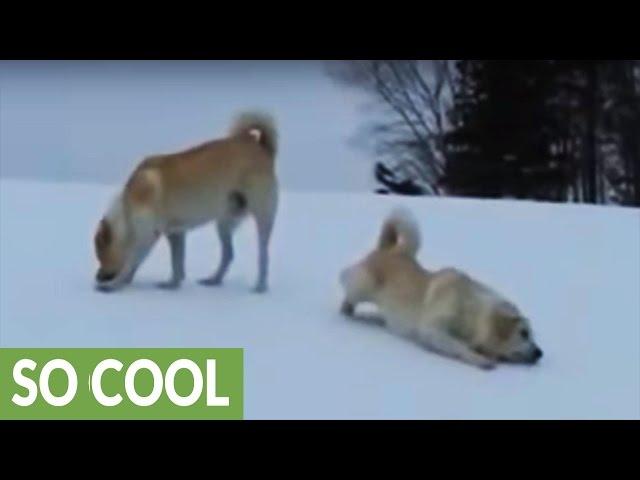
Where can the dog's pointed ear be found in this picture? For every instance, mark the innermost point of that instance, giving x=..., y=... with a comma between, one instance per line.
x=504, y=325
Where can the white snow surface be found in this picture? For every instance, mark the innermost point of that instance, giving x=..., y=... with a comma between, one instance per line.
x=574, y=270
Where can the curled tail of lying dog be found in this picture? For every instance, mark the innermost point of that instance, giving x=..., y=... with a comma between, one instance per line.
x=259, y=125
x=400, y=232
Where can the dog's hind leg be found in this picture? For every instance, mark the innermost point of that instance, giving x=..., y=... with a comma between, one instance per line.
x=265, y=227
x=444, y=344
x=225, y=231
x=264, y=213
x=177, y=248
x=237, y=208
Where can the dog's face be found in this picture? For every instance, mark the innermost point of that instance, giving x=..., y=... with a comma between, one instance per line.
x=122, y=240
x=109, y=249
x=512, y=339
x=113, y=243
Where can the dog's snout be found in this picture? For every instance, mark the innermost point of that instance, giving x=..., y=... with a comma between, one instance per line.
x=103, y=276
x=537, y=355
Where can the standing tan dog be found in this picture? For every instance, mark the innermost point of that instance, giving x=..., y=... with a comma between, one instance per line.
x=222, y=180
x=445, y=311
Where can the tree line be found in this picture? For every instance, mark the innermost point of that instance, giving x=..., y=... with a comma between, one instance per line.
x=551, y=130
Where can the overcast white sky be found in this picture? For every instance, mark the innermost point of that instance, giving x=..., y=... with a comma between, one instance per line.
x=95, y=120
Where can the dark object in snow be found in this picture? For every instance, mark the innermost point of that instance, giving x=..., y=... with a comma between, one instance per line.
x=389, y=179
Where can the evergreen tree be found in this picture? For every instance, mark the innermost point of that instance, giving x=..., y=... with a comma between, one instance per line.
x=503, y=131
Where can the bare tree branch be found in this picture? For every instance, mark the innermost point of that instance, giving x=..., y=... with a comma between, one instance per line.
x=414, y=97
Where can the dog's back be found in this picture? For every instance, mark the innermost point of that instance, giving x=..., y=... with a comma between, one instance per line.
x=194, y=186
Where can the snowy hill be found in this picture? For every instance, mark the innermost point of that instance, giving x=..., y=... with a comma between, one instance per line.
x=574, y=270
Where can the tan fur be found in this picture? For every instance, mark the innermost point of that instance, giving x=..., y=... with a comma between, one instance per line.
x=173, y=193
x=446, y=311
x=197, y=182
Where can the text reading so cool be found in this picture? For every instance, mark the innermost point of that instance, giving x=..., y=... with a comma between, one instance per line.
x=160, y=382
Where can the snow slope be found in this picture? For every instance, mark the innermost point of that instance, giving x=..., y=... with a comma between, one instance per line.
x=574, y=270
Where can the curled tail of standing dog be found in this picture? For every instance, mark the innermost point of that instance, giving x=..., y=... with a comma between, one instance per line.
x=400, y=232
x=259, y=125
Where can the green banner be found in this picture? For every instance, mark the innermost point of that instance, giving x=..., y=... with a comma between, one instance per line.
x=121, y=383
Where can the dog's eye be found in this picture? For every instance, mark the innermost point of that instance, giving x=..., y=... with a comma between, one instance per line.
x=525, y=334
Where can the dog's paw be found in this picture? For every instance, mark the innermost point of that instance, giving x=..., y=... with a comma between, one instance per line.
x=260, y=289
x=103, y=289
x=210, y=281
x=106, y=287
x=169, y=285
x=486, y=364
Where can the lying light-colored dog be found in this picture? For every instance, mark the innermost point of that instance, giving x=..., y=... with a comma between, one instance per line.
x=222, y=180
x=445, y=311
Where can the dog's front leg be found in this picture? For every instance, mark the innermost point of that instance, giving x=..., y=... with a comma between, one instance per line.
x=444, y=344
x=177, y=248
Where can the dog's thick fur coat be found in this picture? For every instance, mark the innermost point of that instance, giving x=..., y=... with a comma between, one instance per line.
x=446, y=311
x=167, y=195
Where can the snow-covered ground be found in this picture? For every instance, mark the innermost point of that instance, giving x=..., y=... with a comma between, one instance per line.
x=574, y=270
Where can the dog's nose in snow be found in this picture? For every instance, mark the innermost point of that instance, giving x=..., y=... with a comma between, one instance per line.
x=103, y=276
